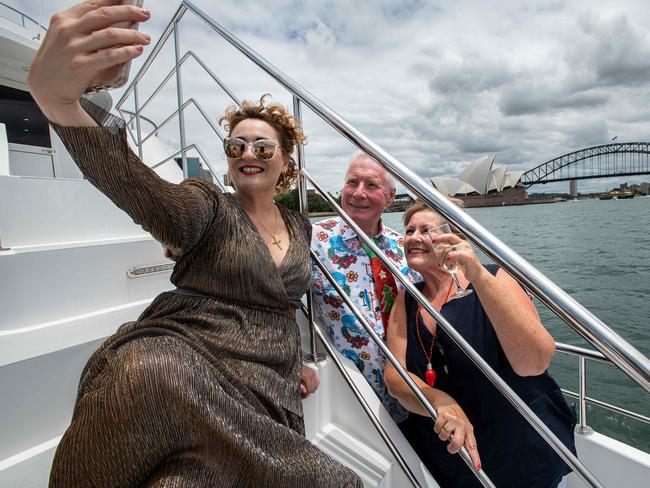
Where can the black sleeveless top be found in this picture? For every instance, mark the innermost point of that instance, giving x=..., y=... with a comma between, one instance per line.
x=512, y=453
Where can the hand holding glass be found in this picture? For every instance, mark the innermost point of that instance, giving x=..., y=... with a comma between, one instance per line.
x=445, y=229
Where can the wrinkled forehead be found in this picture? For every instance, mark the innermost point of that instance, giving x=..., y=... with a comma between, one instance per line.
x=363, y=168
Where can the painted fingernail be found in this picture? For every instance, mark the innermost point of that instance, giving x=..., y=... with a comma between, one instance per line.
x=433, y=240
x=139, y=48
x=478, y=466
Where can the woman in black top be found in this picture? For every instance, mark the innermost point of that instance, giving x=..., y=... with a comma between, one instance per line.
x=500, y=322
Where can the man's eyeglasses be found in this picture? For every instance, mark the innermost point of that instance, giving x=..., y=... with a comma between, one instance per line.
x=264, y=149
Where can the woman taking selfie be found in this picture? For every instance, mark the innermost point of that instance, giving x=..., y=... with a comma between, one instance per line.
x=203, y=389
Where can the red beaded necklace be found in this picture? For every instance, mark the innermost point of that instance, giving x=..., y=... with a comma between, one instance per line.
x=430, y=374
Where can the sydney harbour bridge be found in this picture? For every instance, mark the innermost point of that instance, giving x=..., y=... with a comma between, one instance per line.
x=608, y=160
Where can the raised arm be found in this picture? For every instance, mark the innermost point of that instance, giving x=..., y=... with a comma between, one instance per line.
x=526, y=343
x=79, y=46
x=451, y=417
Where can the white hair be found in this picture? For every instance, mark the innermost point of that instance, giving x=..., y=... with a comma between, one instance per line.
x=390, y=181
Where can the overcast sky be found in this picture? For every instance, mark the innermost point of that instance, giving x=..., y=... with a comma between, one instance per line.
x=436, y=83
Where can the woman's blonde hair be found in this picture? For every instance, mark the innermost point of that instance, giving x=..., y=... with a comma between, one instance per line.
x=278, y=117
x=420, y=206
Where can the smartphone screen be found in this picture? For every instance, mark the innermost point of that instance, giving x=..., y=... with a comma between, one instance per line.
x=116, y=76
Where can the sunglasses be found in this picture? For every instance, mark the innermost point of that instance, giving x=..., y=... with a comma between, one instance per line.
x=264, y=149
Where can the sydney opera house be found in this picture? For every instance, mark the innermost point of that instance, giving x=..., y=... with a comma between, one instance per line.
x=485, y=184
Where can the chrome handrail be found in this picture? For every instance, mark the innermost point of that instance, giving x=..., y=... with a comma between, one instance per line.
x=178, y=15
x=207, y=161
x=313, y=356
x=549, y=437
x=137, y=114
x=360, y=398
x=171, y=73
x=624, y=355
x=190, y=101
x=464, y=454
x=22, y=20
x=583, y=354
x=632, y=362
x=146, y=119
x=608, y=406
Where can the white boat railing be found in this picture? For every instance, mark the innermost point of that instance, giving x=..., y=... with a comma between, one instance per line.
x=21, y=19
x=613, y=347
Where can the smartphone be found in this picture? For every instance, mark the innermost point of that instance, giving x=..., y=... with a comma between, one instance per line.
x=116, y=76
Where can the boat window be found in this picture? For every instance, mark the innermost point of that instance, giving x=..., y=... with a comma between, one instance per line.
x=24, y=120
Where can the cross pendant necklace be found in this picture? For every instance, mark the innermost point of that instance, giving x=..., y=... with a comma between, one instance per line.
x=276, y=242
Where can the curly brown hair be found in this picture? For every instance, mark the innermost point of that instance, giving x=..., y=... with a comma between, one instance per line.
x=286, y=125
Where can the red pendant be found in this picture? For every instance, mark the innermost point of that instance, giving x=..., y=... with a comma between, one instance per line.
x=430, y=375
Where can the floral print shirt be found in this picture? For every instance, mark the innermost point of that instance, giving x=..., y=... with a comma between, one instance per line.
x=337, y=246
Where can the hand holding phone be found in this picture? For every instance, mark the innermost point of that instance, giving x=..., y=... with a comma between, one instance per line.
x=117, y=76
x=82, y=49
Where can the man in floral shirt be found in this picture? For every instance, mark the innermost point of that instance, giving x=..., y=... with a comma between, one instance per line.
x=367, y=192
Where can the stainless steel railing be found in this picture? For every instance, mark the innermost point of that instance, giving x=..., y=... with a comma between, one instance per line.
x=172, y=29
x=621, y=353
x=360, y=398
x=138, y=137
x=197, y=148
x=550, y=438
x=464, y=454
x=583, y=355
x=24, y=19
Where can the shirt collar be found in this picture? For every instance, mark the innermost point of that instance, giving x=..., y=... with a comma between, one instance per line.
x=348, y=232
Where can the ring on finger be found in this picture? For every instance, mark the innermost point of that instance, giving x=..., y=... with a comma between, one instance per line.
x=454, y=248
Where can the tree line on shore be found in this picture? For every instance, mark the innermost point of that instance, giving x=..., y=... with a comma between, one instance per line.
x=317, y=203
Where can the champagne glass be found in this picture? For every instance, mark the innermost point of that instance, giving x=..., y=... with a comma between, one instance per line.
x=445, y=229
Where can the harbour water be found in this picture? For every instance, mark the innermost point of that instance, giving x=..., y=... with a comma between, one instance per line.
x=599, y=253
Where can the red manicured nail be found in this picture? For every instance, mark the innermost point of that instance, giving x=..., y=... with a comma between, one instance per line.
x=478, y=466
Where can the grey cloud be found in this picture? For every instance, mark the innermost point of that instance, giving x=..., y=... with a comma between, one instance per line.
x=466, y=73
x=403, y=9
x=481, y=144
x=436, y=84
x=612, y=51
x=588, y=134
x=528, y=98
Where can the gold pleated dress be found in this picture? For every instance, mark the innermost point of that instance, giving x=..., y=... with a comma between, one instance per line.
x=201, y=390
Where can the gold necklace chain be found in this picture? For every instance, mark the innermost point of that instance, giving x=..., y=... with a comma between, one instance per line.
x=276, y=242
